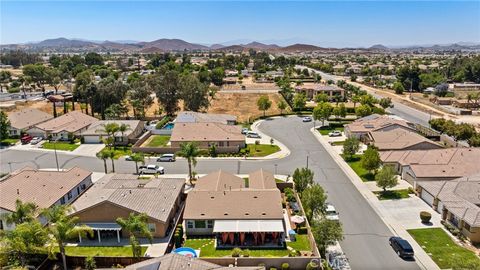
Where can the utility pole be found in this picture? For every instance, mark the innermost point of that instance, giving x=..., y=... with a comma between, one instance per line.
x=307, y=161
x=56, y=157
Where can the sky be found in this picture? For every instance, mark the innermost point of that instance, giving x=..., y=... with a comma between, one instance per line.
x=325, y=23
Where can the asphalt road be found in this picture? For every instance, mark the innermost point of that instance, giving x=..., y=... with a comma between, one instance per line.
x=366, y=235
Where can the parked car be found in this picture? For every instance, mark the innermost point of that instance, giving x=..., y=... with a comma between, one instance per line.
x=307, y=119
x=252, y=134
x=128, y=158
x=151, y=169
x=26, y=139
x=330, y=212
x=245, y=131
x=335, y=133
x=166, y=158
x=36, y=140
x=401, y=247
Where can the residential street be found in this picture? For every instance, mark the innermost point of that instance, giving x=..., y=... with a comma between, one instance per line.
x=366, y=236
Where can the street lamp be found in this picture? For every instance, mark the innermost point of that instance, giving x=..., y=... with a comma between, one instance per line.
x=307, y=161
x=276, y=168
x=10, y=165
x=55, y=150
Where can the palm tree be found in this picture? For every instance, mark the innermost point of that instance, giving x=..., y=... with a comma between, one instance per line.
x=138, y=157
x=189, y=151
x=136, y=224
x=63, y=227
x=110, y=129
x=104, y=155
x=24, y=212
x=123, y=128
x=111, y=155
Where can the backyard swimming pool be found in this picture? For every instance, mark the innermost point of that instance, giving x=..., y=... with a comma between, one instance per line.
x=169, y=126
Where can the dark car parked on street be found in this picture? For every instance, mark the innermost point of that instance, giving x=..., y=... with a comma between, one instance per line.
x=401, y=247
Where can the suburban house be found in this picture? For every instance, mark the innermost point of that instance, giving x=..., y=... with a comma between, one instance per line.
x=227, y=138
x=442, y=100
x=74, y=122
x=399, y=139
x=466, y=86
x=196, y=117
x=95, y=133
x=118, y=195
x=376, y=122
x=238, y=211
x=457, y=201
x=465, y=104
x=310, y=90
x=26, y=119
x=44, y=188
x=434, y=164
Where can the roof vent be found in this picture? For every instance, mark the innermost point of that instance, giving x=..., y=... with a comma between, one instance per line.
x=264, y=214
x=247, y=214
x=255, y=197
x=202, y=214
x=212, y=197
x=18, y=191
x=225, y=214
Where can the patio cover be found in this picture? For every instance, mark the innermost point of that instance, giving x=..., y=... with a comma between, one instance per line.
x=248, y=226
x=104, y=226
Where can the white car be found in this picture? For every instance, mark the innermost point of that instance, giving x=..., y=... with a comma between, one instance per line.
x=151, y=169
x=36, y=140
x=330, y=212
x=252, y=134
x=245, y=130
x=335, y=133
x=307, y=119
x=166, y=158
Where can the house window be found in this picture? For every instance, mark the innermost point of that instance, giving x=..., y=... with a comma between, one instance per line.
x=1, y=224
x=151, y=227
x=78, y=190
x=69, y=195
x=84, y=186
x=466, y=226
x=210, y=224
x=220, y=144
x=200, y=224
x=62, y=200
x=190, y=224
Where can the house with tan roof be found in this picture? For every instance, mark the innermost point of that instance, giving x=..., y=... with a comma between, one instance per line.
x=96, y=132
x=434, y=164
x=457, y=201
x=59, y=128
x=310, y=90
x=375, y=122
x=43, y=188
x=118, y=195
x=399, y=139
x=227, y=138
x=239, y=212
x=26, y=119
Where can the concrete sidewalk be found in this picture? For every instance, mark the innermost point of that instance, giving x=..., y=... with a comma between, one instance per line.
x=423, y=260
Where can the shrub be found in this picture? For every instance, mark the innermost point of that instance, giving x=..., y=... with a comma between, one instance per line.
x=90, y=263
x=289, y=195
x=246, y=253
x=302, y=230
x=411, y=190
x=312, y=266
x=162, y=122
x=293, y=253
x=236, y=252
x=425, y=216
x=285, y=266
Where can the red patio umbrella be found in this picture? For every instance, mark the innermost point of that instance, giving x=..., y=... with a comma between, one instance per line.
x=232, y=237
x=262, y=234
x=242, y=238
x=224, y=237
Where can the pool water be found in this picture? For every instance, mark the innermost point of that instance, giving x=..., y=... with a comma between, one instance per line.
x=186, y=251
x=169, y=126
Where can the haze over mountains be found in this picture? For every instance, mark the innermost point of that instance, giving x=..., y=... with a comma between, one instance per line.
x=163, y=44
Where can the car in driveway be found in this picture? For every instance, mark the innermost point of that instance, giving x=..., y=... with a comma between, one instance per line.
x=166, y=158
x=252, y=134
x=331, y=213
x=128, y=158
x=26, y=139
x=151, y=169
x=335, y=133
x=36, y=140
x=245, y=131
x=401, y=247
x=307, y=119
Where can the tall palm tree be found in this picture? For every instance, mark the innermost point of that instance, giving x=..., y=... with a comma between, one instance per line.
x=123, y=128
x=189, y=151
x=104, y=155
x=63, y=227
x=111, y=155
x=110, y=129
x=138, y=157
x=24, y=212
x=136, y=224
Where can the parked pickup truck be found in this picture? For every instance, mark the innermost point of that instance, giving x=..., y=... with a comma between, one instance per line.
x=151, y=169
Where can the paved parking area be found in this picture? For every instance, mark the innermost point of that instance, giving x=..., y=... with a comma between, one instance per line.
x=89, y=150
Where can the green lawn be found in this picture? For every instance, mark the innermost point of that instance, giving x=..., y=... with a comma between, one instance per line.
x=302, y=243
x=123, y=251
x=327, y=129
x=262, y=150
x=158, y=141
x=207, y=249
x=65, y=146
x=355, y=163
x=392, y=194
x=443, y=250
x=338, y=143
x=8, y=141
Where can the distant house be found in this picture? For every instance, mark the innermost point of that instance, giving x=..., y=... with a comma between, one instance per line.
x=230, y=80
x=59, y=128
x=435, y=164
x=457, y=201
x=399, y=139
x=466, y=87
x=26, y=119
x=442, y=101
x=239, y=212
x=465, y=104
x=310, y=90
x=96, y=132
x=44, y=188
x=375, y=122
x=118, y=195
x=196, y=117
x=227, y=138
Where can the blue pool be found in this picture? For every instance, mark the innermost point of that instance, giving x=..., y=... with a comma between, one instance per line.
x=169, y=126
x=186, y=251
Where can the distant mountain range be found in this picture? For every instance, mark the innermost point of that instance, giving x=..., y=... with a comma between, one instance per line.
x=165, y=45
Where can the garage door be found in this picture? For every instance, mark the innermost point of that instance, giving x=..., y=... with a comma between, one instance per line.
x=427, y=197
x=440, y=207
x=91, y=139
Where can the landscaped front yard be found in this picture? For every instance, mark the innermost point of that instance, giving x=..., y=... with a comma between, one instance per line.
x=327, y=129
x=443, y=250
x=302, y=243
x=207, y=249
x=262, y=150
x=123, y=251
x=8, y=141
x=120, y=151
x=356, y=165
x=65, y=146
x=393, y=194
x=157, y=141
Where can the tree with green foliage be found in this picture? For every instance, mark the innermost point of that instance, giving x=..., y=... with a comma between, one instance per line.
x=140, y=97
x=326, y=232
x=4, y=125
x=350, y=147
x=264, y=103
x=104, y=155
x=166, y=87
x=217, y=75
x=5, y=77
x=193, y=93
x=363, y=110
x=464, y=131
x=299, y=101
x=302, y=178
x=386, y=178
x=136, y=225
x=385, y=102
x=313, y=201
x=93, y=58
x=63, y=227
x=24, y=212
x=138, y=158
x=190, y=151
x=109, y=128
x=370, y=160
x=322, y=112
x=282, y=105
x=322, y=97
x=398, y=88
x=431, y=79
